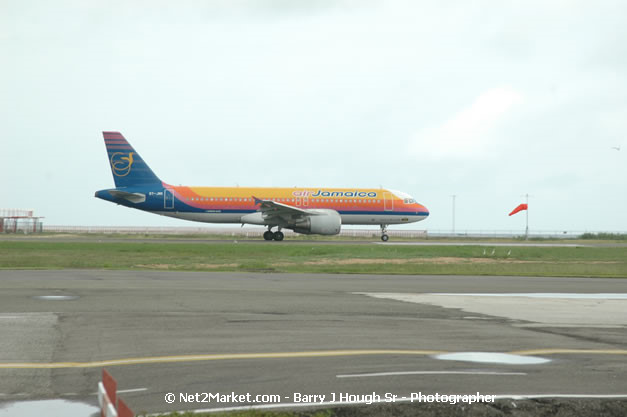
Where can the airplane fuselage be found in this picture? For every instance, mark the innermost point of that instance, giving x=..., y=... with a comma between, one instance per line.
x=231, y=204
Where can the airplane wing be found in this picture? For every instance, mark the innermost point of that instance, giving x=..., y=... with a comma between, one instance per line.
x=273, y=209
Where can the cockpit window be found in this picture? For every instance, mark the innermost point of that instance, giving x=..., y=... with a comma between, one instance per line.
x=409, y=201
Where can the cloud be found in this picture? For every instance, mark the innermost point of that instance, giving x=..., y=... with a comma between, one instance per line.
x=468, y=131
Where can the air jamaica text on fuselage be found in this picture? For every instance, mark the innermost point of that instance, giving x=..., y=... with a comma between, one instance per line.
x=320, y=193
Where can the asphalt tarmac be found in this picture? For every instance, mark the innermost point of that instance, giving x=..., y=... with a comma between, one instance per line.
x=300, y=335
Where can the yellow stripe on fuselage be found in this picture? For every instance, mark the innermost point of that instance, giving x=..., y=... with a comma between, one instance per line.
x=348, y=202
x=296, y=192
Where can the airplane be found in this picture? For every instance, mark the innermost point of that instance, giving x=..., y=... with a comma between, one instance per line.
x=305, y=210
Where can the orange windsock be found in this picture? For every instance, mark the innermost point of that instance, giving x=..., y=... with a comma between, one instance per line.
x=520, y=207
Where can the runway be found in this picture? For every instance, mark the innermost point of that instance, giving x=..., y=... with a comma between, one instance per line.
x=293, y=335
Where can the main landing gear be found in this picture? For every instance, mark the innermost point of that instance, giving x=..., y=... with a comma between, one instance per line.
x=384, y=232
x=270, y=235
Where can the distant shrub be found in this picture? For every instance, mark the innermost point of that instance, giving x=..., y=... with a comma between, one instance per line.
x=604, y=236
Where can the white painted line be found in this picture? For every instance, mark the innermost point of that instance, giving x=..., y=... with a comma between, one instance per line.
x=398, y=400
x=429, y=373
x=536, y=396
x=561, y=295
x=56, y=297
x=14, y=315
x=576, y=326
x=125, y=391
x=492, y=357
x=492, y=244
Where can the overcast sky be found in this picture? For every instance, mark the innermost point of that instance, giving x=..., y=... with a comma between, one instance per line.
x=487, y=100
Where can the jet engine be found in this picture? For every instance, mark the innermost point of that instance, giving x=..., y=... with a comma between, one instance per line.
x=320, y=222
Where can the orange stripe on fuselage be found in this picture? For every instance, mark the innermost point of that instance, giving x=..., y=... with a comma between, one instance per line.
x=367, y=199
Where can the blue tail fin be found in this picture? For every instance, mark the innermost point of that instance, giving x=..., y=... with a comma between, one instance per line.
x=127, y=166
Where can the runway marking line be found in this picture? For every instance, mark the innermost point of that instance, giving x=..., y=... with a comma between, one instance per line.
x=213, y=357
x=401, y=373
x=278, y=355
x=570, y=351
x=124, y=391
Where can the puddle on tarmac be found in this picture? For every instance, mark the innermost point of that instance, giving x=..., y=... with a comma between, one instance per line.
x=48, y=408
x=492, y=357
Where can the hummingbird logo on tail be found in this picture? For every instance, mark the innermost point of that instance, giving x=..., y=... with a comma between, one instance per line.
x=121, y=164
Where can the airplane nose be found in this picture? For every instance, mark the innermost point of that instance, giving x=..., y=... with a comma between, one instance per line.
x=423, y=211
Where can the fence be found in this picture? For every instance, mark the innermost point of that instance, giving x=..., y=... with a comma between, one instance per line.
x=226, y=231
x=363, y=233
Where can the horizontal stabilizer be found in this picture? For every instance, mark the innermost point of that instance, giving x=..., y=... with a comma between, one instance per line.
x=132, y=197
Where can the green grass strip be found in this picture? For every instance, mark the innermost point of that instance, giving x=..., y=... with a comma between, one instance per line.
x=317, y=258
